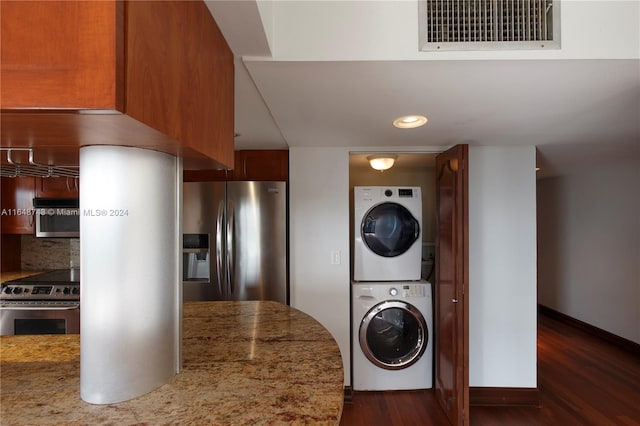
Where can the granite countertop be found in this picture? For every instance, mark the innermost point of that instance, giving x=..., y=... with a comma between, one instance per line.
x=244, y=363
x=14, y=275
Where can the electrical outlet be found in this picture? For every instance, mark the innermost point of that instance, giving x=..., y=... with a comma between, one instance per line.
x=335, y=257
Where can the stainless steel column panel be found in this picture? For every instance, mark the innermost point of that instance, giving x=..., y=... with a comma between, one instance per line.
x=256, y=214
x=129, y=256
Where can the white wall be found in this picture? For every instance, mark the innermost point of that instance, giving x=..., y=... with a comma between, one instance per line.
x=589, y=234
x=318, y=225
x=502, y=224
x=502, y=267
x=388, y=30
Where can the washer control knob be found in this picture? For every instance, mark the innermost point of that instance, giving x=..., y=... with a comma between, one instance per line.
x=393, y=291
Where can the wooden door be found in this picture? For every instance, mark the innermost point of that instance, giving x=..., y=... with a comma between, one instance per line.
x=451, y=301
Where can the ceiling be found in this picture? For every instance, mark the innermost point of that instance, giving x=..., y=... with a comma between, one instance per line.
x=577, y=112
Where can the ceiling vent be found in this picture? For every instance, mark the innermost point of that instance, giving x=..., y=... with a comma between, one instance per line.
x=489, y=24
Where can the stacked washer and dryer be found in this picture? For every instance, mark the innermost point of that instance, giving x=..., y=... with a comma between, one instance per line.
x=391, y=306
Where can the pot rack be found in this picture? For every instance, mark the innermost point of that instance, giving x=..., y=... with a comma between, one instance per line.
x=13, y=168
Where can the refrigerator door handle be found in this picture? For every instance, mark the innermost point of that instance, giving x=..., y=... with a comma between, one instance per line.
x=219, y=230
x=230, y=247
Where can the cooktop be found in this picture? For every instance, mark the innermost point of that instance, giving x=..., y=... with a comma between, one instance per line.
x=58, y=284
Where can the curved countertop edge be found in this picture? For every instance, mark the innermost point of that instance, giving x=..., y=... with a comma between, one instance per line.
x=243, y=363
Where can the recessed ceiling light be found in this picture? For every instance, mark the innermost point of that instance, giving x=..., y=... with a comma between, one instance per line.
x=410, y=121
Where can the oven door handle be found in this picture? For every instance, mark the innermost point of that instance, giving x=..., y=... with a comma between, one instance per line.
x=39, y=308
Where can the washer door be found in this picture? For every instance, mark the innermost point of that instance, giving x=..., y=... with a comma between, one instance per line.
x=389, y=229
x=393, y=335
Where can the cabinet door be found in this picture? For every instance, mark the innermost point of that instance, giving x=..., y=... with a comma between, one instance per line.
x=264, y=165
x=57, y=187
x=58, y=54
x=17, y=205
x=205, y=175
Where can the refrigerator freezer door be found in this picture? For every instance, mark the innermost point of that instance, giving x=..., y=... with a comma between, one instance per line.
x=203, y=213
x=257, y=239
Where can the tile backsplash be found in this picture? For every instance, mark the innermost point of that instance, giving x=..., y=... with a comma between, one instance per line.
x=40, y=254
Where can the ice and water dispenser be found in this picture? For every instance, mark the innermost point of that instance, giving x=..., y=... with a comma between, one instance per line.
x=195, y=257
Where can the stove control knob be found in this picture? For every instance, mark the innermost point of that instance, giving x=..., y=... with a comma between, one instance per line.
x=17, y=290
x=66, y=290
x=7, y=290
x=393, y=291
x=75, y=290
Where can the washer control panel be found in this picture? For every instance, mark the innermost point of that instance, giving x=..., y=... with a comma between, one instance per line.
x=392, y=290
x=407, y=290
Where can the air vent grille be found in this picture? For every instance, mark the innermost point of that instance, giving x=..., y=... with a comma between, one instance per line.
x=487, y=24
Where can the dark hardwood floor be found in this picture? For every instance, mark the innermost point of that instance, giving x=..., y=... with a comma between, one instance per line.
x=582, y=381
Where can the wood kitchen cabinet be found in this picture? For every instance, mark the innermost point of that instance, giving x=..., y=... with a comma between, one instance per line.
x=57, y=187
x=58, y=54
x=151, y=74
x=261, y=165
x=16, y=204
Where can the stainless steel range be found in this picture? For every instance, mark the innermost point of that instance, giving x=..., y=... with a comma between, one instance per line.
x=46, y=303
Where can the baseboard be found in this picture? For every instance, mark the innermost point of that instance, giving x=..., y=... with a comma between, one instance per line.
x=348, y=394
x=527, y=397
x=621, y=342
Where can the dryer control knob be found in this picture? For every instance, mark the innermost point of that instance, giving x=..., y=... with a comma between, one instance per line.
x=393, y=291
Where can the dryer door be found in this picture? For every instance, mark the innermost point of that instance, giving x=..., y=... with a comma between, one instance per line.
x=389, y=229
x=393, y=335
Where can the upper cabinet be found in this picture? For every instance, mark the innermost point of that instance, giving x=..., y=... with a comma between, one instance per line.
x=155, y=75
x=261, y=165
x=58, y=187
x=16, y=203
x=59, y=54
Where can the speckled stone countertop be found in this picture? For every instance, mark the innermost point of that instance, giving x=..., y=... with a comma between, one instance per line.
x=14, y=275
x=244, y=363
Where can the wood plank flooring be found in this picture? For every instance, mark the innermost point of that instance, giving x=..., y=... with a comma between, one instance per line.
x=582, y=380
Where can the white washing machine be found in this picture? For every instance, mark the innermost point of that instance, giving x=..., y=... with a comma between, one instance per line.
x=392, y=344
x=387, y=233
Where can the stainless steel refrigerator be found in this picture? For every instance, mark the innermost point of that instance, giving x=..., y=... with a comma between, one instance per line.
x=235, y=241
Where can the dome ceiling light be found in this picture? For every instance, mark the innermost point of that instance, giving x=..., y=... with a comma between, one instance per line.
x=381, y=161
x=410, y=121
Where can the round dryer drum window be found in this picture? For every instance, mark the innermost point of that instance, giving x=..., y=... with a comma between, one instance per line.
x=393, y=335
x=389, y=229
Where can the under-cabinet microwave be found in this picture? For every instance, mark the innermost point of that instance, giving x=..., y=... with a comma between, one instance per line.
x=57, y=217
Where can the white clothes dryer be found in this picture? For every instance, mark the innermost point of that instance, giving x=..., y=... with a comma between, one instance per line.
x=392, y=346
x=387, y=233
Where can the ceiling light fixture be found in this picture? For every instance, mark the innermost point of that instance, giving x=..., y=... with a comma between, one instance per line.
x=382, y=161
x=410, y=121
